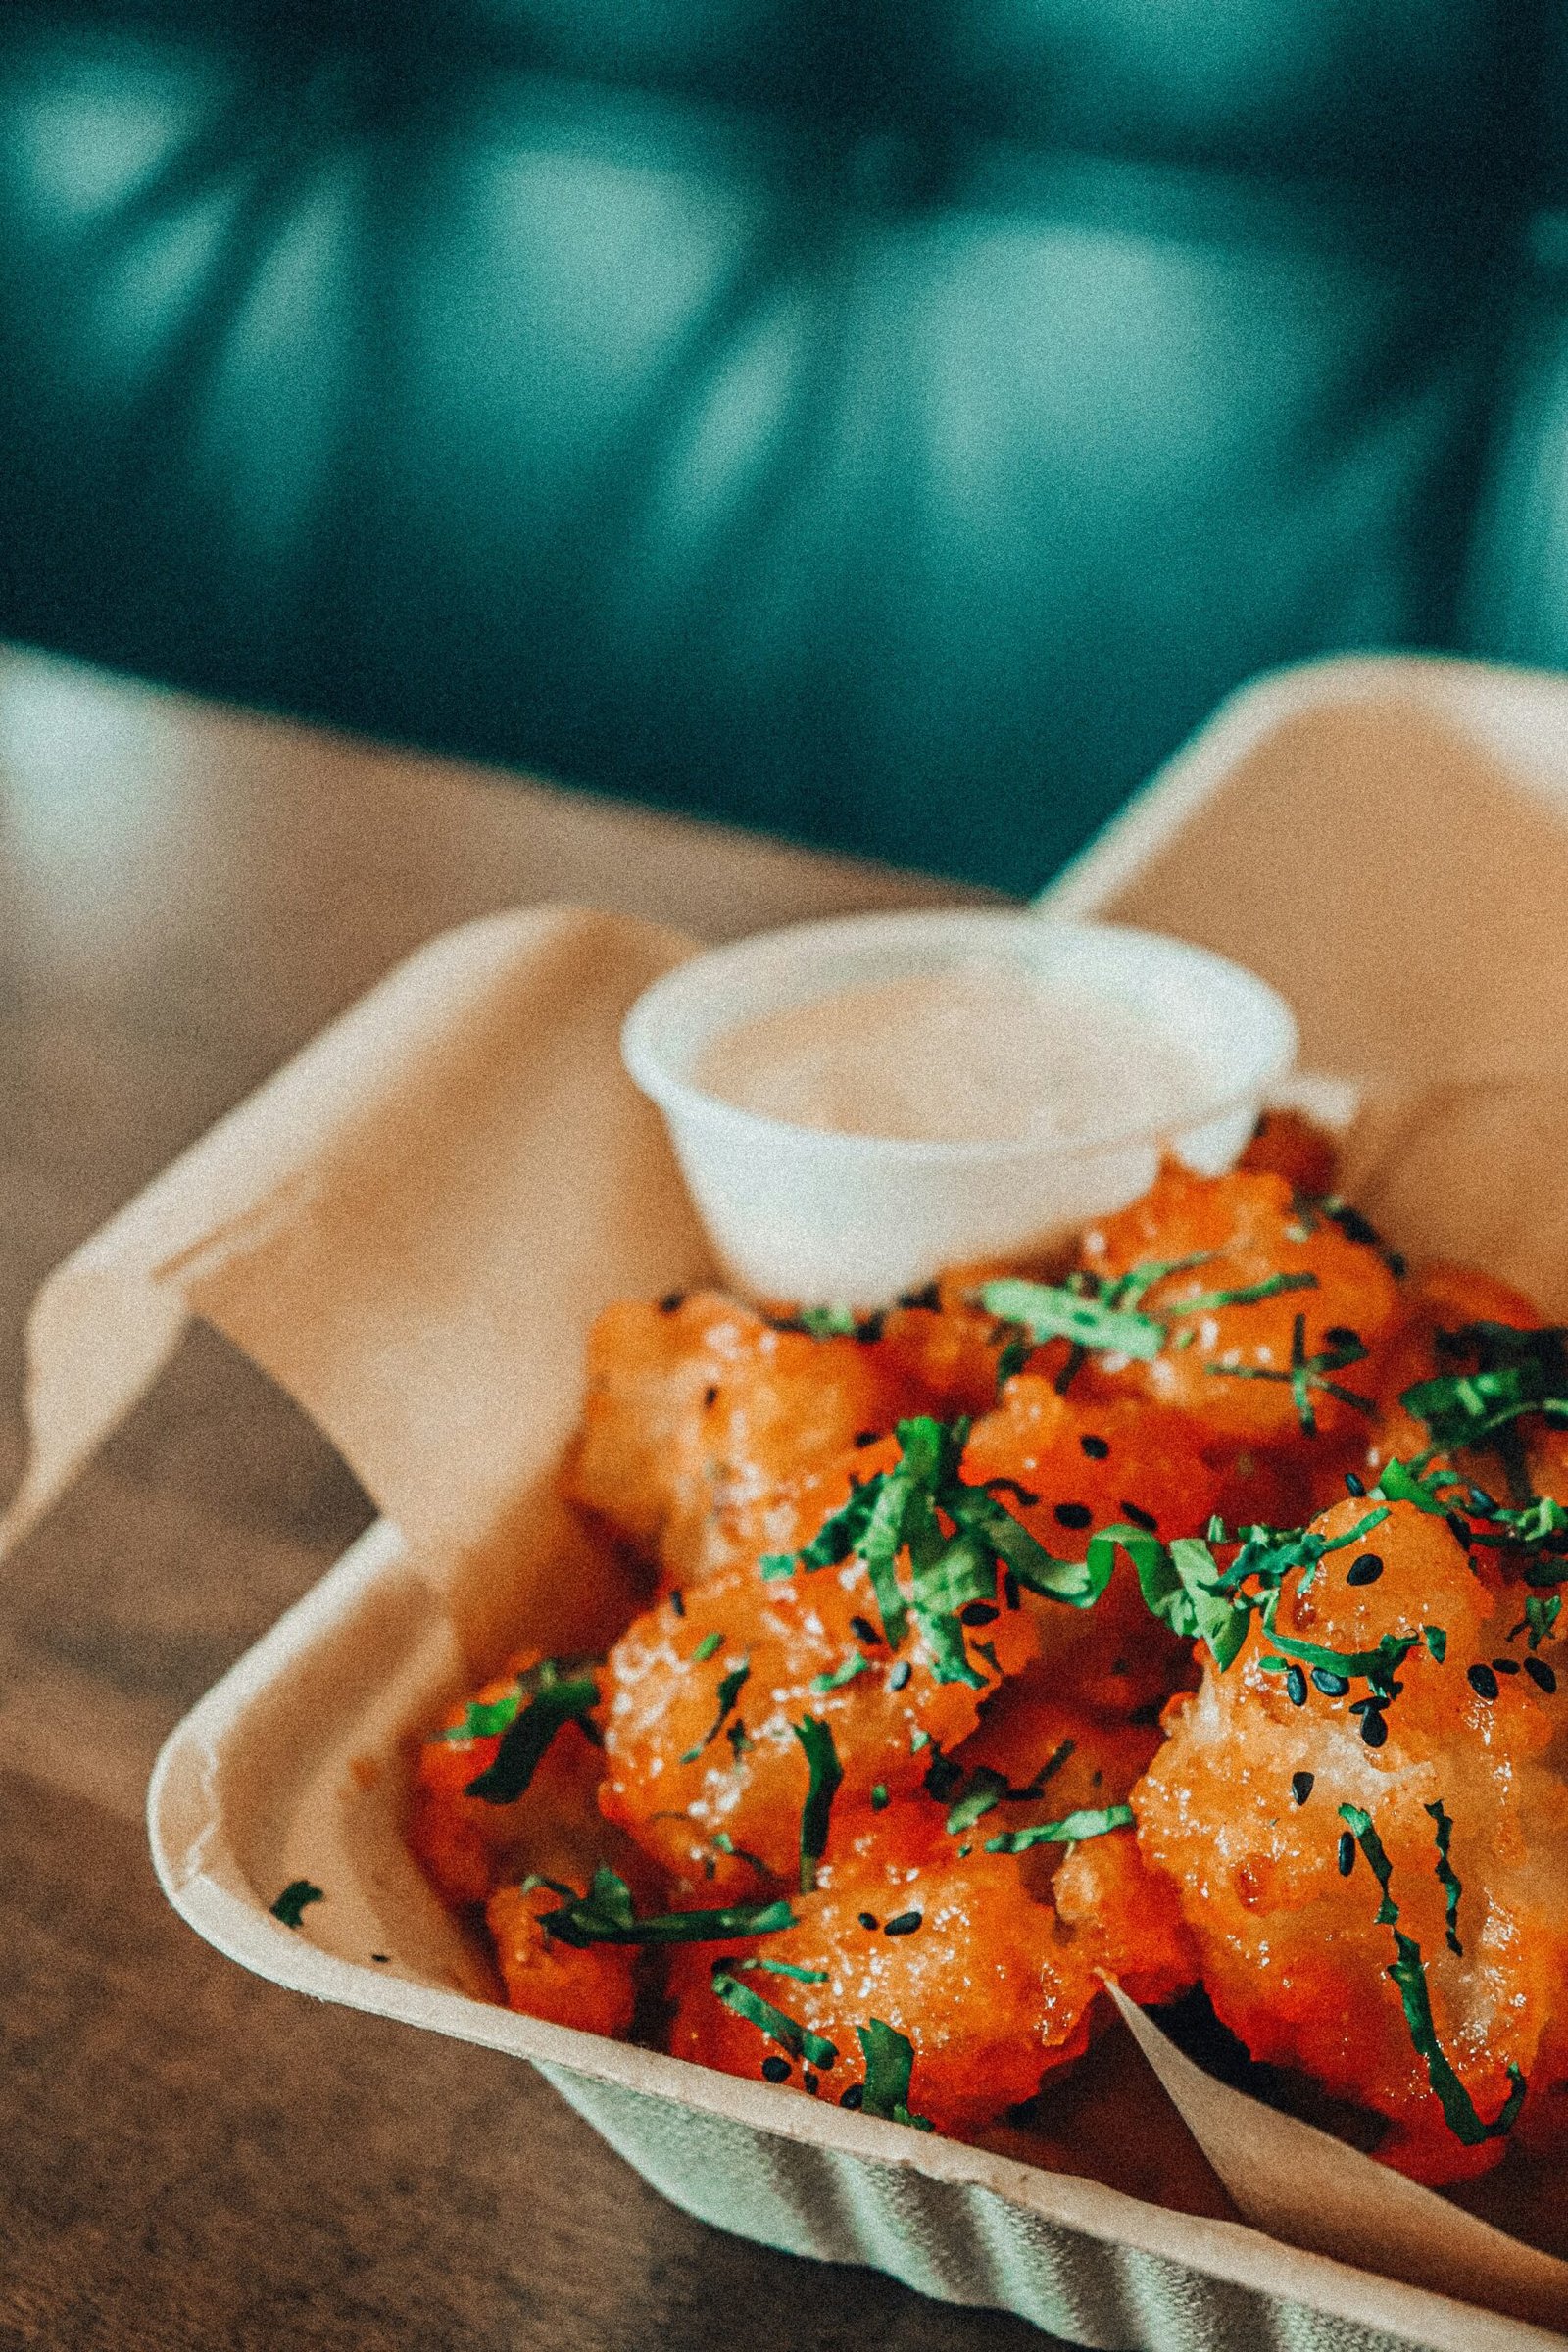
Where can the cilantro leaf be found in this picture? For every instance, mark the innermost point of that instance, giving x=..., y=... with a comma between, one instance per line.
x=1094, y=1821
x=825, y=1774
x=290, y=1904
x=1050, y=1311
x=838, y=1536
x=558, y=1699
x=1446, y=1878
x=1459, y=2113
x=889, y=2066
x=786, y=2031
x=857, y=1663
x=1360, y=1825
x=731, y=1686
x=605, y=1915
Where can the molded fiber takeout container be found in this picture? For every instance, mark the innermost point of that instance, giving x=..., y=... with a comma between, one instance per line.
x=1397, y=959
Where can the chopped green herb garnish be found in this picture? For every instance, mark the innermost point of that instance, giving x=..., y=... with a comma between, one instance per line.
x=1446, y=1879
x=856, y=1664
x=835, y=1322
x=1437, y=1641
x=605, y=1915
x=786, y=2031
x=708, y=1648
x=889, y=2066
x=985, y=1789
x=1401, y=1482
x=1050, y=1311
x=1410, y=1974
x=1306, y=1373
x=825, y=1772
x=1541, y=1617
x=1249, y=1295
x=879, y=1797
x=1360, y=1825
x=730, y=1687
x=783, y=1968
x=1459, y=2108
x=290, y=1904
x=483, y=1718
x=557, y=1699
x=1520, y=1372
x=1088, y=1822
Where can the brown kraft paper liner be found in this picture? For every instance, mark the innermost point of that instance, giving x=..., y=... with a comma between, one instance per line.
x=410, y=1228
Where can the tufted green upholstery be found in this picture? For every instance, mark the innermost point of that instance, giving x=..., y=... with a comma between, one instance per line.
x=890, y=421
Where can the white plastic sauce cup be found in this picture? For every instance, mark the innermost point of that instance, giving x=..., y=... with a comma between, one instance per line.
x=812, y=1215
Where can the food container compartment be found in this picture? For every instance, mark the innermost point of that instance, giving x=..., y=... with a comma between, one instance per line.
x=1362, y=833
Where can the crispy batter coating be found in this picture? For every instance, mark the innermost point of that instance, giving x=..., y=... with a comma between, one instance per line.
x=975, y=1972
x=701, y=1406
x=691, y=1780
x=1092, y=1464
x=1241, y=1810
x=1248, y=1230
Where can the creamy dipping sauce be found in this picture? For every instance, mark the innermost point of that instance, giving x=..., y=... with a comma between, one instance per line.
x=978, y=1052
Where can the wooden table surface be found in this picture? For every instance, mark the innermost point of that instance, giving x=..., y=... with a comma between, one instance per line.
x=193, y=2157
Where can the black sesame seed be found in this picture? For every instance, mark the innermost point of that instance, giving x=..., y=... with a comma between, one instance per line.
x=899, y=1675
x=1480, y=1503
x=1541, y=1675
x=1459, y=1529
x=1339, y=1335
x=1482, y=1682
x=1073, y=1514
x=1353, y=1485
x=1397, y=1263
x=775, y=2070
x=1366, y=1570
x=677, y=1601
x=1300, y=1787
x=1505, y=1665
x=1010, y=1590
x=710, y=1395
x=1347, y=1853
x=810, y=2083
x=1353, y=1225
x=868, y=1921
x=1331, y=1685
x=852, y=2096
x=1374, y=1730
x=930, y=1299
x=1295, y=1685
x=1140, y=1517
x=670, y=1301
x=978, y=1612
x=863, y=1629
x=905, y=1923
x=383, y=1957
x=1096, y=1447
x=865, y=1437
x=1363, y=1706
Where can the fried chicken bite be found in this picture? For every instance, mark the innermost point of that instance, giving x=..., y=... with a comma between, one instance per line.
x=470, y=1845
x=1073, y=1466
x=1265, y=1368
x=957, y=1955
x=1287, y=1143
x=595, y=1990
x=703, y=1763
x=699, y=1406
x=1460, y=1321
x=1369, y=1844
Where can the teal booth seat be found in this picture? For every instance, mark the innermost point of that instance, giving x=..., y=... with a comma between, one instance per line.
x=891, y=422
